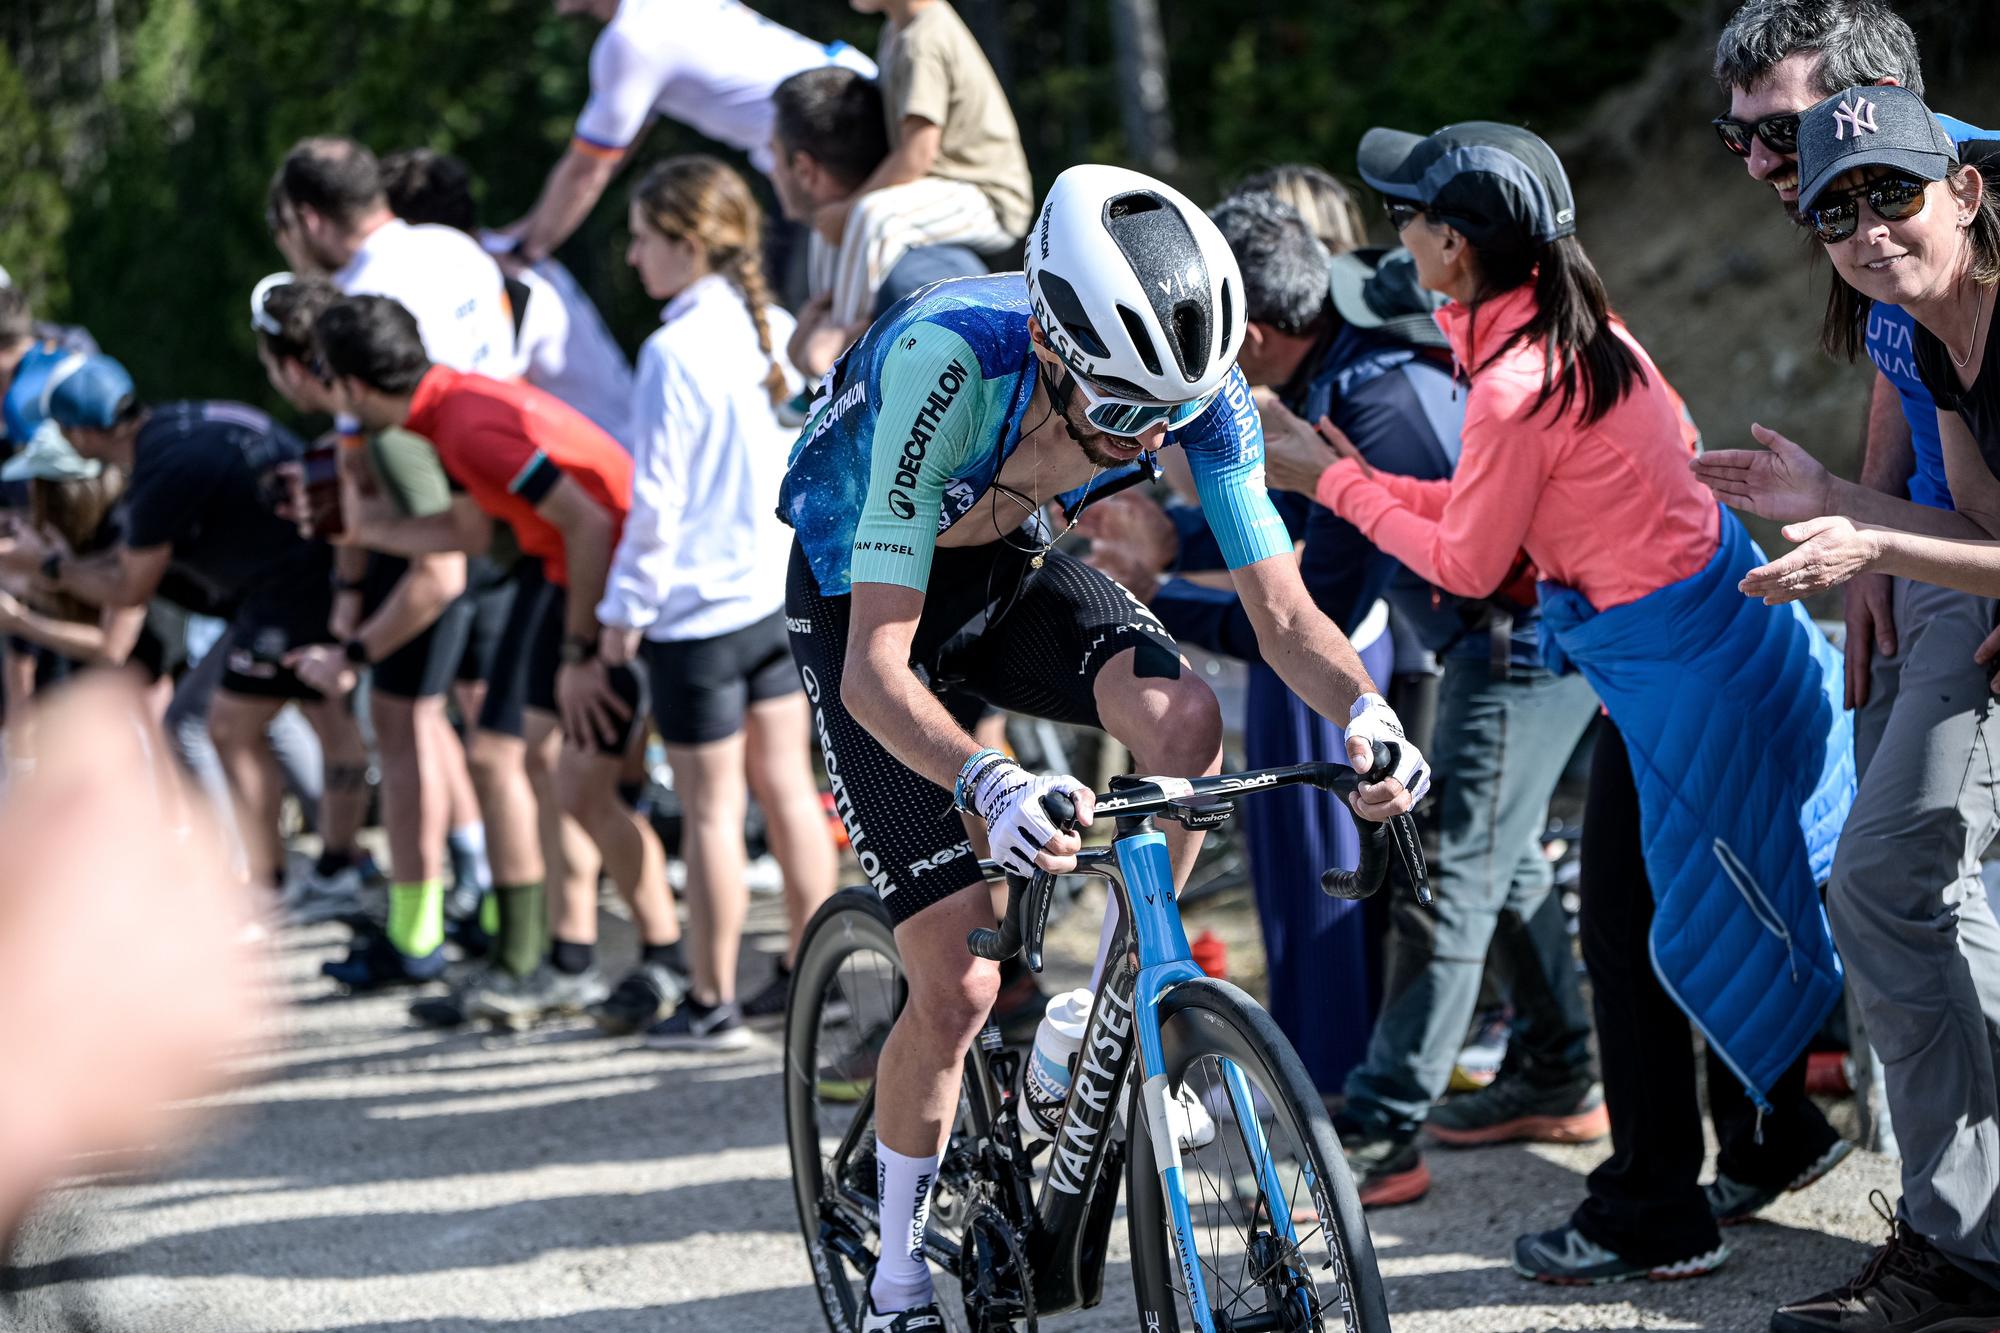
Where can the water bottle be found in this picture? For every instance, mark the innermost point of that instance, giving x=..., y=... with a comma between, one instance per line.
x=1046, y=1077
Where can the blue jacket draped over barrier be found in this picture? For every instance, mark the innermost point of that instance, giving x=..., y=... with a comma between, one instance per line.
x=1744, y=761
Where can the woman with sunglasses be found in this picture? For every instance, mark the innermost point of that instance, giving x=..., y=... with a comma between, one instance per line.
x=1709, y=822
x=1906, y=221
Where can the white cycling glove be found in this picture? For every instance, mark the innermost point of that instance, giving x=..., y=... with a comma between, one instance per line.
x=1371, y=719
x=1009, y=798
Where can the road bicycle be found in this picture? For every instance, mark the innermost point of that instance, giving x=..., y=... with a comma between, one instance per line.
x=1255, y=1228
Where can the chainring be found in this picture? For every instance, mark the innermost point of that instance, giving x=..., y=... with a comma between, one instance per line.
x=993, y=1275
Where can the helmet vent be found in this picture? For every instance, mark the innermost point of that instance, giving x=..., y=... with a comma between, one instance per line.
x=1191, y=338
x=1228, y=310
x=1126, y=205
x=1149, y=355
x=1066, y=308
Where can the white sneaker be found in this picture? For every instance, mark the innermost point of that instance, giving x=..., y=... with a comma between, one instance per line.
x=313, y=897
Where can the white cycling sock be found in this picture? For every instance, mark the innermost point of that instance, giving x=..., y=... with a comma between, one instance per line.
x=903, y=1195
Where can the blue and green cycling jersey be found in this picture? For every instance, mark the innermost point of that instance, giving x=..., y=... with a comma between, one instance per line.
x=915, y=422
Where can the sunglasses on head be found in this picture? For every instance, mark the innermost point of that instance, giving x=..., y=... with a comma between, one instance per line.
x=1893, y=199
x=260, y=318
x=1121, y=416
x=1780, y=133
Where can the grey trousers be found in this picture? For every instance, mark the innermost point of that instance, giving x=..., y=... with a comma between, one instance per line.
x=1916, y=930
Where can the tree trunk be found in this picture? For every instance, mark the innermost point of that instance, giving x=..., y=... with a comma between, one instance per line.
x=1141, y=51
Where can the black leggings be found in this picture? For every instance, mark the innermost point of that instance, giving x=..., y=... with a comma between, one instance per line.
x=1646, y=1202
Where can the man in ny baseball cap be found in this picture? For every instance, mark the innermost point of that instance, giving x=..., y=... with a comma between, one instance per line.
x=1875, y=125
x=1500, y=186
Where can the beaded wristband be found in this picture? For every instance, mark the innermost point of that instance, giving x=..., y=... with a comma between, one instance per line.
x=968, y=772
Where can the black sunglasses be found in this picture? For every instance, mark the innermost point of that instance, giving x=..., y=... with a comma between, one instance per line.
x=1893, y=199
x=1401, y=214
x=1780, y=133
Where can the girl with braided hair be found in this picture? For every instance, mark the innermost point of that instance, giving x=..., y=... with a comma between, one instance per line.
x=697, y=587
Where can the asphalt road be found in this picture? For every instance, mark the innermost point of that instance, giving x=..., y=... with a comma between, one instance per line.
x=372, y=1175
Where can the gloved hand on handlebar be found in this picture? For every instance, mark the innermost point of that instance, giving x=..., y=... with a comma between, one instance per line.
x=1371, y=720
x=1023, y=837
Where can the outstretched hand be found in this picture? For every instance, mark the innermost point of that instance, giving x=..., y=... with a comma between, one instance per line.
x=1831, y=551
x=1781, y=481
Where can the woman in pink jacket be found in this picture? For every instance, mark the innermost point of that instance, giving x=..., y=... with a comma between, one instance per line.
x=1575, y=459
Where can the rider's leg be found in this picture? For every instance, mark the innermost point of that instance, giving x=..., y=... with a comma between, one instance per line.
x=951, y=993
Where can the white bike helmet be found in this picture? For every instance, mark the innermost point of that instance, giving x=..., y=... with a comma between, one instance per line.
x=1134, y=286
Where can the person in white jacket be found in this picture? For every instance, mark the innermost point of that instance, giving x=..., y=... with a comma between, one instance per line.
x=697, y=586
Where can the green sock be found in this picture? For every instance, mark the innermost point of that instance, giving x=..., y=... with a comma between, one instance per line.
x=416, y=917
x=524, y=927
x=489, y=913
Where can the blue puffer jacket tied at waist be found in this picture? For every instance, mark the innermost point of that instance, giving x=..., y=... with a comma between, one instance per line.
x=1744, y=761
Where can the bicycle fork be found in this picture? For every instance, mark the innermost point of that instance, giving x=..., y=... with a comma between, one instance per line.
x=1159, y=935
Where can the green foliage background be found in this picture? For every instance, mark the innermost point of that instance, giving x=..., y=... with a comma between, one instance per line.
x=133, y=204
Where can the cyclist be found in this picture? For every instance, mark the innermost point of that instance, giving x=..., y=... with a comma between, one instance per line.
x=922, y=562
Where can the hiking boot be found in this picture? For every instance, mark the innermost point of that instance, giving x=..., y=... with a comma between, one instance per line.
x=373, y=964
x=642, y=997
x=547, y=992
x=1734, y=1202
x=848, y=1076
x=1387, y=1168
x=1565, y=1257
x=1513, y=1109
x=1907, y=1286
x=700, y=1027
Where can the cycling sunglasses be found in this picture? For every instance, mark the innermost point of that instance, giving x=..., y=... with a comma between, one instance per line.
x=1893, y=199
x=260, y=318
x=1780, y=133
x=1120, y=416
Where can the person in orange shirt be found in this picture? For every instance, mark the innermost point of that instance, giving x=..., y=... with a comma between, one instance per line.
x=553, y=711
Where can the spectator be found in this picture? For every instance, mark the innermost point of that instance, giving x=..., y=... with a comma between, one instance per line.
x=700, y=575
x=1350, y=340
x=408, y=632
x=1575, y=449
x=1905, y=222
x=827, y=138
x=955, y=171
x=200, y=502
x=1321, y=198
x=330, y=215
x=560, y=341
x=1775, y=59
x=563, y=486
x=710, y=64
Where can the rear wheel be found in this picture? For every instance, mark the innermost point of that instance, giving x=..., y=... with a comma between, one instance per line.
x=1277, y=1230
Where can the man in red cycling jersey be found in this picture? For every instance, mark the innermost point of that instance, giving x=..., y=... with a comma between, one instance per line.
x=563, y=486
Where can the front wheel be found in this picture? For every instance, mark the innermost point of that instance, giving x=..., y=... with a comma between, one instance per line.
x=1277, y=1230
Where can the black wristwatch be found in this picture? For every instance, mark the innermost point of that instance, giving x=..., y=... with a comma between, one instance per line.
x=357, y=653
x=52, y=564
x=575, y=650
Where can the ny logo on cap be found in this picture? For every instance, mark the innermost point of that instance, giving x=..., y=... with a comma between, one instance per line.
x=1859, y=116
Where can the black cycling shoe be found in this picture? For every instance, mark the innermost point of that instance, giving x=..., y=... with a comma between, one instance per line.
x=375, y=964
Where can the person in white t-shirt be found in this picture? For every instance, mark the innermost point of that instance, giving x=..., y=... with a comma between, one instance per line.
x=561, y=343
x=699, y=576
x=710, y=64
x=329, y=216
